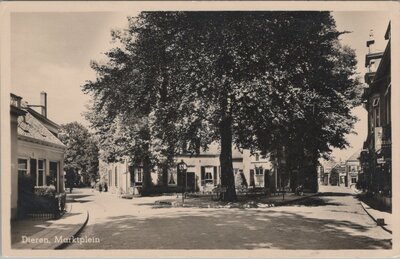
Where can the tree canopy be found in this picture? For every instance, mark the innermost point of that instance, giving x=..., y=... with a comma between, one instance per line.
x=82, y=153
x=257, y=80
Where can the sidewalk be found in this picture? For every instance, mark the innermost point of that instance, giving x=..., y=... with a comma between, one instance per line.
x=377, y=214
x=49, y=234
x=243, y=202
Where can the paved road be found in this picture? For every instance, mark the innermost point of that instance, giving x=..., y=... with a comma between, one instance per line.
x=332, y=220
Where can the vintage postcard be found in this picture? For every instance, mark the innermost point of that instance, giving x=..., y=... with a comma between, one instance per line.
x=200, y=129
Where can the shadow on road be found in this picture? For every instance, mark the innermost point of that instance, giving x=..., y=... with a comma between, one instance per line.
x=233, y=229
x=335, y=194
x=314, y=202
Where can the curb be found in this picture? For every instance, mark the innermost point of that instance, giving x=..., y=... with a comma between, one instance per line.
x=374, y=219
x=74, y=235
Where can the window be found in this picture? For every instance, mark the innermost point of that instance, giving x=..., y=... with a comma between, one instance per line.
x=41, y=173
x=53, y=174
x=172, y=177
x=208, y=177
x=376, y=112
x=259, y=171
x=353, y=179
x=139, y=175
x=259, y=179
x=22, y=166
x=208, y=174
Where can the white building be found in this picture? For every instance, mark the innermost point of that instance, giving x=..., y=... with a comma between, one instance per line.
x=202, y=175
x=37, y=152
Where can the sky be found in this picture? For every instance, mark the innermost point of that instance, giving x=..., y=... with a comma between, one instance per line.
x=51, y=52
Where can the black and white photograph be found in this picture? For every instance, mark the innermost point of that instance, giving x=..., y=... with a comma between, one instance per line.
x=157, y=128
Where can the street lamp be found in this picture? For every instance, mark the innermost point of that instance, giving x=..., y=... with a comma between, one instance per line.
x=182, y=167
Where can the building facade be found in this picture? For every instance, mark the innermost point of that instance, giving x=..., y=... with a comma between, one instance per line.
x=203, y=174
x=376, y=156
x=37, y=153
x=353, y=170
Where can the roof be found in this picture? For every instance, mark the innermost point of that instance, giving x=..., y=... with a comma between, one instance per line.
x=32, y=129
x=49, y=124
x=355, y=156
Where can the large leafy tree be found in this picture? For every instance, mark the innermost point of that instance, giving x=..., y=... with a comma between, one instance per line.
x=258, y=80
x=82, y=153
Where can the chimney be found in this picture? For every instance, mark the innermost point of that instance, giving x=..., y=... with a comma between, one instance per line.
x=43, y=103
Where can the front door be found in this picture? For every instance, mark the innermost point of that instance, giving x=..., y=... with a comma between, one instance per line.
x=191, y=182
x=187, y=181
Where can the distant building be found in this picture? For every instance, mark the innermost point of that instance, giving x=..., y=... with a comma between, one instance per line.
x=353, y=169
x=202, y=175
x=376, y=156
x=337, y=176
x=37, y=152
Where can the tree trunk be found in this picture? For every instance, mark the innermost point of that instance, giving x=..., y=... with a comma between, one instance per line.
x=146, y=185
x=225, y=158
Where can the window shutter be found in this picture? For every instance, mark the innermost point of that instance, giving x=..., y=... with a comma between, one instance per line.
x=252, y=183
x=215, y=176
x=203, y=175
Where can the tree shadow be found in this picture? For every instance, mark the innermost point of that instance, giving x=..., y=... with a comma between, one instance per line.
x=232, y=229
x=314, y=202
x=334, y=194
x=78, y=196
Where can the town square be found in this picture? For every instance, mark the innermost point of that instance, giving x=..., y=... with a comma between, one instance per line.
x=145, y=129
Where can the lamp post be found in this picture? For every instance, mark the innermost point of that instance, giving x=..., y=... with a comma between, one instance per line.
x=182, y=167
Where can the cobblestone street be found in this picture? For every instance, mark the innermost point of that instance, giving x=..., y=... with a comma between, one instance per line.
x=332, y=220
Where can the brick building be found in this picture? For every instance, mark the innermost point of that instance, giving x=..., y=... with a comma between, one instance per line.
x=376, y=156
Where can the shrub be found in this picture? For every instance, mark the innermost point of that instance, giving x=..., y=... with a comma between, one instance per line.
x=26, y=183
x=45, y=191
